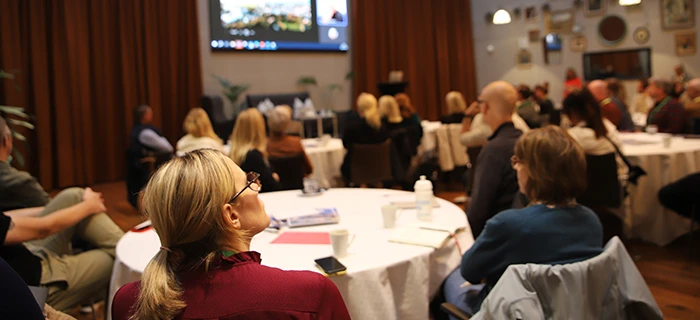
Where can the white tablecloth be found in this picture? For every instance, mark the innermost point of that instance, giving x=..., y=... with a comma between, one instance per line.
x=326, y=160
x=646, y=218
x=429, y=141
x=385, y=280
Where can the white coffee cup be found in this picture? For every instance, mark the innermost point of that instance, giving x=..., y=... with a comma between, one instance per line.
x=666, y=140
x=652, y=129
x=389, y=215
x=341, y=240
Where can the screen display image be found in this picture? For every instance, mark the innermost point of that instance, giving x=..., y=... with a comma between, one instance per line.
x=279, y=25
x=624, y=65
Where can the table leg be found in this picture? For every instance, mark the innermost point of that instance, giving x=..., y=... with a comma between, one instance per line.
x=319, y=126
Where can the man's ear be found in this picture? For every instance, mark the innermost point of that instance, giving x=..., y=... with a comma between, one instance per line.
x=231, y=216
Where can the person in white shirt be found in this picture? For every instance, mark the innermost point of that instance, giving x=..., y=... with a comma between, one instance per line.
x=590, y=128
x=200, y=133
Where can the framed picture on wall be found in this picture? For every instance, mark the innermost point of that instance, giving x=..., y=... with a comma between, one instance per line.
x=531, y=14
x=561, y=21
x=677, y=14
x=594, y=7
x=685, y=43
x=524, y=58
x=534, y=35
x=578, y=43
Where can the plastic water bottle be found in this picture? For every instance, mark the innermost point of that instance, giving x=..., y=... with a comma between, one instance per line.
x=424, y=199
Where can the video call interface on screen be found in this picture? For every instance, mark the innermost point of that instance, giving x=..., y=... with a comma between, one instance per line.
x=279, y=25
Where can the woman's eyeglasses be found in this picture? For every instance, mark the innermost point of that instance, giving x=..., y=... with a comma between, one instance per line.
x=514, y=161
x=253, y=183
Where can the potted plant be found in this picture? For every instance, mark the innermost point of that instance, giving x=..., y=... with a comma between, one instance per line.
x=233, y=92
x=15, y=117
x=327, y=91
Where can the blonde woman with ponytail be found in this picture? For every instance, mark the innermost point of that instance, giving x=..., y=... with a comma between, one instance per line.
x=200, y=133
x=206, y=210
x=367, y=130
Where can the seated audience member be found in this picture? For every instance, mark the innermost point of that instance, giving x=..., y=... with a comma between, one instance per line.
x=206, y=210
x=16, y=301
x=681, y=196
x=248, y=148
x=455, y=106
x=554, y=229
x=495, y=182
x=144, y=139
x=390, y=112
x=642, y=102
x=281, y=145
x=409, y=115
x=475, y=132
x=200, y=133
x=546, y=105
x=368, y=130
x=668, y=114
x=691, y=98
x=527, y=108
x=589, y=128
x=402, y=138
x=572, y=83
x=38, y=248
x=618, y=95
x=678, y=90
x=679, y=74
x=609, y=109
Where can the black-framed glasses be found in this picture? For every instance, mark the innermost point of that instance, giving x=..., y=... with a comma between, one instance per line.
x=253, y=183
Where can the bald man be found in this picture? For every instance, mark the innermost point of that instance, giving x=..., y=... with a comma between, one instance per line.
x=495, y=181
x=617, y=113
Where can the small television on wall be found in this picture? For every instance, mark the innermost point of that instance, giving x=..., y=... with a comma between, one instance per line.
x=623, y=64
x=279, y=25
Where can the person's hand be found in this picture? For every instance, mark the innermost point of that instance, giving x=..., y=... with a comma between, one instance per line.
x=276, y=176
x=94, y=201
x=473, y=109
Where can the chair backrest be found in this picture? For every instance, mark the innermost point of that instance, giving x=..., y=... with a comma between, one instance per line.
x=607, y=286
x=370, y=163
x=276, y=99
x=603, y=186
x=214, y=106
x=291, y=171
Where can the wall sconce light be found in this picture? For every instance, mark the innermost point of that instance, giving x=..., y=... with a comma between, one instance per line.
x=630, y=2
x=501, y=17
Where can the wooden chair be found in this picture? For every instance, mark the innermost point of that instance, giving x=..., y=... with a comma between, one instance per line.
x=291, y=171
x=370, y=164
x=603, y=192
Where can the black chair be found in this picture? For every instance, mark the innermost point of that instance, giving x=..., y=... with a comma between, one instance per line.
x=214, y=106
x=291, y=171
x=603, y=192
x=371, y=163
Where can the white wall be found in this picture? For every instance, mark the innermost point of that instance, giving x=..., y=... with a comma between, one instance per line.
x=272, y=72
x=501, y=64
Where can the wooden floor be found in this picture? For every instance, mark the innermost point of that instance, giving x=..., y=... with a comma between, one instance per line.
x=672, y=272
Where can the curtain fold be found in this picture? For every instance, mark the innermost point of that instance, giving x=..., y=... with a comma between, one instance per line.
x=431, y=41
x=83, y=65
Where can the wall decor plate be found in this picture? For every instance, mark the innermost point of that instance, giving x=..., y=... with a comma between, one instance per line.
x=579, y=43
x=641, y=35
x=612, y=30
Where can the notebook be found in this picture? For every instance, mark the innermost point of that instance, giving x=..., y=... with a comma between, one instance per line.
x=407, y=201
x=426, y=235
x=304, y=218
x=291, y=237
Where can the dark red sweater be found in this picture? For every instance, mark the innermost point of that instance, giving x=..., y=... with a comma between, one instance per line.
x=242, y=288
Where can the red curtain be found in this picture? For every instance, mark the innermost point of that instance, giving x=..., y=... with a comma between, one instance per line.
x=431, y=41
x=83, y=65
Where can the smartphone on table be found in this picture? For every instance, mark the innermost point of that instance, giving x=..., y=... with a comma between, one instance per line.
x=331, y=266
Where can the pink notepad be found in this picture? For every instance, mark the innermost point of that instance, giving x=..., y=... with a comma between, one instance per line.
x=291, y=237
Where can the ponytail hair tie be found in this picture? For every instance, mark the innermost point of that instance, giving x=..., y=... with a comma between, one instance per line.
x=166, y=249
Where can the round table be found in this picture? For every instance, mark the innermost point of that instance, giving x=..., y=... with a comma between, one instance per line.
x=646, y=218
x=326, y=160
x=384, y=280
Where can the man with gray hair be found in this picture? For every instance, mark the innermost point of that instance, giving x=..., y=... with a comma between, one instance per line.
x=667, y=114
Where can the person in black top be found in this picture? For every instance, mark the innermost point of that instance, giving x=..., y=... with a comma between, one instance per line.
x=144, y=139
x=546, y=105
x=495, y=181
x=455, y=106
x=367, y=130
x=248, y=148
x=16, y=301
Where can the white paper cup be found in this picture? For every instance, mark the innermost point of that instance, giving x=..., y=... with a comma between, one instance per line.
x=341, y=240
x=652, y=129
x=389, y=215
x=666, y=140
